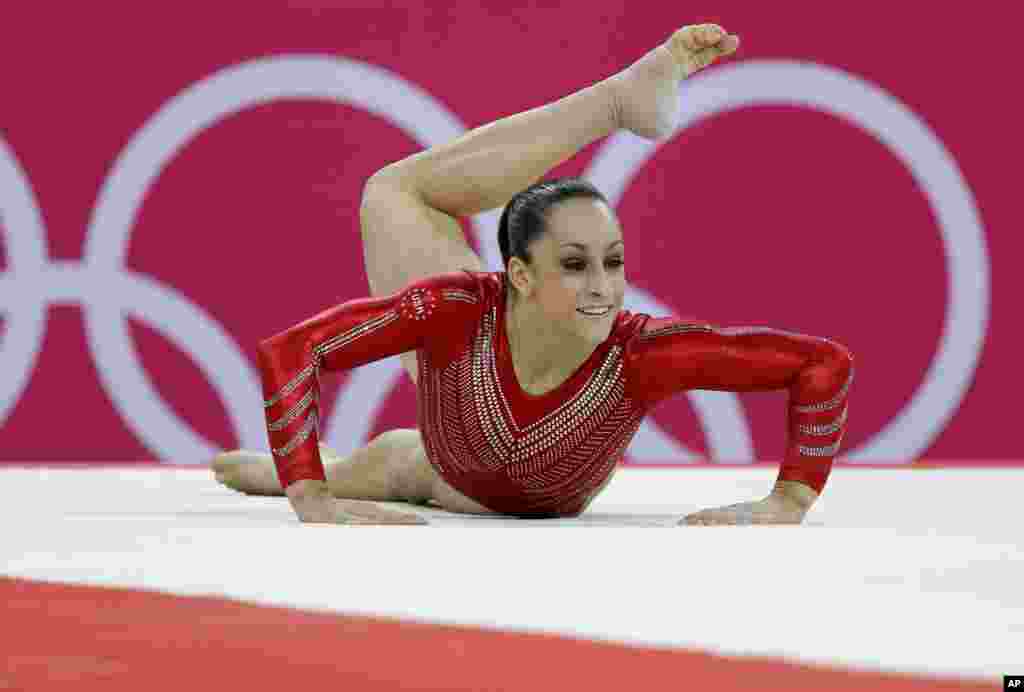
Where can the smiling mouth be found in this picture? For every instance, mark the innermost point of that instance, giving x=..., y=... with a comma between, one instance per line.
x=594, y=312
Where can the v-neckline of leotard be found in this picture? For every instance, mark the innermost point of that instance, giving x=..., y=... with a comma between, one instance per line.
x=563, y=390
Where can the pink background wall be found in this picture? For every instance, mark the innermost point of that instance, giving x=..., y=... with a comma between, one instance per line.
x=867, y=196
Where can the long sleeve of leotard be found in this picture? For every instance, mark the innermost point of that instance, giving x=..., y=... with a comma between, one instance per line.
x=433, y=312
x=672, y=355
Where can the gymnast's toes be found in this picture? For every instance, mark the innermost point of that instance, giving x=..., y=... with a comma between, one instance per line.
x=247, y=472
x=224, y=468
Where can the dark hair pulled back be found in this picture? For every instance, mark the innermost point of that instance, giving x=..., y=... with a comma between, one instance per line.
x=525, y=216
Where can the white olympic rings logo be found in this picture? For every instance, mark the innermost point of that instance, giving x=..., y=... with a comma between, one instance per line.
x=107, y=290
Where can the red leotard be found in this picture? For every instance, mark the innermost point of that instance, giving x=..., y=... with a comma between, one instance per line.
x=544, y=455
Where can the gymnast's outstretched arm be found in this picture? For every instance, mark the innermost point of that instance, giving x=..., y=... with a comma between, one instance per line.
x=672, y=356
x=425, y=314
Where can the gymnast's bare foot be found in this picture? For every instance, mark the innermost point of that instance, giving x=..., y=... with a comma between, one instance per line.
x=247, y=472
x=647, y=92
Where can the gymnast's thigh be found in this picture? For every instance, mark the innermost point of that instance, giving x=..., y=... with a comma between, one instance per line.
x=440, y=492
x=405, y=241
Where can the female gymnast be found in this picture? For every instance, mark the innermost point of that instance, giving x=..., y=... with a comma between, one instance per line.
x=531, y=381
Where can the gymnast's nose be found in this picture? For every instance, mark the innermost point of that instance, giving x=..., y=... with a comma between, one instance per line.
x=599, y=285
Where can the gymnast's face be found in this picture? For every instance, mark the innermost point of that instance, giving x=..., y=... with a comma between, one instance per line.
x=578, y=267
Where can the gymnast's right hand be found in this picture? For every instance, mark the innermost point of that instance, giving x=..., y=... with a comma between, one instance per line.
x=314, y=504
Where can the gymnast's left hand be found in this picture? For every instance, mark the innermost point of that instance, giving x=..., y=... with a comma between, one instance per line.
x=777, y=508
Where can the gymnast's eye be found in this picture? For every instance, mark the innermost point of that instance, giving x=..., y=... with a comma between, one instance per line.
x=579, y=265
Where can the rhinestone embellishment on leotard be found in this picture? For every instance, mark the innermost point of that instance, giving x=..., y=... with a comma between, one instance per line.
x=674, y=329
x=345, y=338
x=460, y=295
x=418, y=304
x=301, y=436
x=829, y=429
x=828, y=451
x=293, y=413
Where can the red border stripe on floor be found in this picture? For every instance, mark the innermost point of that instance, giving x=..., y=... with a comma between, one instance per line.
x=84, y=638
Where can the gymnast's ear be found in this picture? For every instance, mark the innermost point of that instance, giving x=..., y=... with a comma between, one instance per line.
x=520, y=276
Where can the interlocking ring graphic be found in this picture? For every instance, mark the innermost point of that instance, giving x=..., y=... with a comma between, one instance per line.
x=108, y=291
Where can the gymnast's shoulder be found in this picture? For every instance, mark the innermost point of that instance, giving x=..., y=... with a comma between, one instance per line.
x=458, y=288
x=633, y=330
